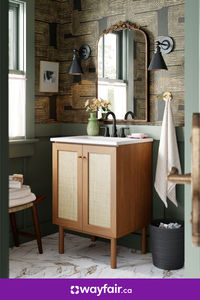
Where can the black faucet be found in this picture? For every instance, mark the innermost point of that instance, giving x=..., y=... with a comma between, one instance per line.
x=114, y=131
x=129, y=113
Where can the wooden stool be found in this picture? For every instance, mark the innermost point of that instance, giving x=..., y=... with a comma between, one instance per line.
x=37, y=235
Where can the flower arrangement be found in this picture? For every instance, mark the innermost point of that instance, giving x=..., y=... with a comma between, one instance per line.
x=105, y=105
x=95, y=105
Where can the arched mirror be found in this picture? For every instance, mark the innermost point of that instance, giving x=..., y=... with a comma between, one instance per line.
x=121, y=66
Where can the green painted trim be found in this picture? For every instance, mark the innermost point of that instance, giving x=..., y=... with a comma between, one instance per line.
x=192, y=254
x=17, y=150
x=30, y=68
x=4, y=221
x=23, y=141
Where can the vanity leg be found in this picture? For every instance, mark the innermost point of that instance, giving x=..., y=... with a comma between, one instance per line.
x=61, y=240
x=93, y=238
x=144, y=240
x=113, y=253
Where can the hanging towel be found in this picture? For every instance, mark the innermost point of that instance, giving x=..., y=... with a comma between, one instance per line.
x=168, y=157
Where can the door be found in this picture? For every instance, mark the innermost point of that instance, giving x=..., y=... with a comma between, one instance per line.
x=67, y=185
x=192, y=70
x=99, y=190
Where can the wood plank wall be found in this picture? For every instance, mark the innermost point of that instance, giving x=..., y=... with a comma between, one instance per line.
x=81, y=22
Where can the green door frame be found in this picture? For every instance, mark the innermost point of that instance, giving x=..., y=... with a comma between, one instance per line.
x=4, y=223
x=192, y=254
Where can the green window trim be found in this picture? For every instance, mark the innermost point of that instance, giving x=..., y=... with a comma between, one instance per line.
x=29, y=67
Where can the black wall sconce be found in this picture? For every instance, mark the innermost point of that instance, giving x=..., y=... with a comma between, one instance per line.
x=165, y=45
x=82, y=53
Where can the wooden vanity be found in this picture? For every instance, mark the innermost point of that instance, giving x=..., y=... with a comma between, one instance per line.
x=102, y=190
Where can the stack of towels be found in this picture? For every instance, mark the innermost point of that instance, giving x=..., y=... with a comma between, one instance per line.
x=19, y=194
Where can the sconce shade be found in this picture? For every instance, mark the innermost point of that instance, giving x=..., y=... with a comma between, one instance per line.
x=75, y=68
x=157, y=62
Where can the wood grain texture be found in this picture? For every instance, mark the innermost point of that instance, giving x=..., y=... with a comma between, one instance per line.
x=82, y=27
x=134, y=187
x=196, y=180
x=61, y=240
x=113, y=253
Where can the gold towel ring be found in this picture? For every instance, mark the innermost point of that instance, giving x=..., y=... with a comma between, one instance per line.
x=165, y=96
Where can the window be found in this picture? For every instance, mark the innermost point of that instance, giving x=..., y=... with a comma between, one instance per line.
x=109, y=56
x=17, y=69
x=111, y=84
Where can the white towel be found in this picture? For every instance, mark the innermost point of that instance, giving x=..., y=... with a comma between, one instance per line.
x=19, y=193
x=16, y=202
x=14, y=184
x=168, y=157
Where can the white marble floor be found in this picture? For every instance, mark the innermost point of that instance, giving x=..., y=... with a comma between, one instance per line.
x=82, y=259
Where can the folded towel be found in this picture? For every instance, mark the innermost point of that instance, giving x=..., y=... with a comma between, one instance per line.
x=19, y=193
x=13, y=184
x=17, y=177
x=168, y=157
x=16, y=202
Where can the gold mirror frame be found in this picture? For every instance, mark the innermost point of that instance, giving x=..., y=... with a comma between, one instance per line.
x=130, y=26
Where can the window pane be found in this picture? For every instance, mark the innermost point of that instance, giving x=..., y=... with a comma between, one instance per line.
x=13, y=36
x=100, y=58
x=116, y=93
x=17, y=88
x=110, y=47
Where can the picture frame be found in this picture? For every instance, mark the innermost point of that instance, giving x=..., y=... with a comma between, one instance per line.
x=49, y=76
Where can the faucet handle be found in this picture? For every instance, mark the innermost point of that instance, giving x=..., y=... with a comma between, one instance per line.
x=122, y=133
x=106, y=129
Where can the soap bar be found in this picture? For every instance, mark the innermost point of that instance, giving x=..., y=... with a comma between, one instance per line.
x=137, y=136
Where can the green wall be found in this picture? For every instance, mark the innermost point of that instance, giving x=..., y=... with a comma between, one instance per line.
x=192, y=254
x=3, y=139
x=37, y=173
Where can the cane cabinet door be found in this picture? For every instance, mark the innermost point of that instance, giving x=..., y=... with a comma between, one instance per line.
x=67, y=185
x=99, y=190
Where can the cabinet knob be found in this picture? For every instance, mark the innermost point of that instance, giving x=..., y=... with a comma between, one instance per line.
x=84, y=157
x=79, y=156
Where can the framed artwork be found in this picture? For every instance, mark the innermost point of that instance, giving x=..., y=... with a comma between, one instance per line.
x=49, y=73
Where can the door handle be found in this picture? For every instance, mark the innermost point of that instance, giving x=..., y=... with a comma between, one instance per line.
x=193, y=179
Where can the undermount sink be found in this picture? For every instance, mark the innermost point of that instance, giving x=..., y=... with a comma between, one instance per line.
x=99, y=140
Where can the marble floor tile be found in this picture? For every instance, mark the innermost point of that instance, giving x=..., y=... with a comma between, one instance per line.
x=82, y=259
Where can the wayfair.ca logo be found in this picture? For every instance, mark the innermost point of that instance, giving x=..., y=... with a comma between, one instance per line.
x=74, y=289
x=98, y=290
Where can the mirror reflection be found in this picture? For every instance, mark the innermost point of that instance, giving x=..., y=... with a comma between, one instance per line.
x=122, y=72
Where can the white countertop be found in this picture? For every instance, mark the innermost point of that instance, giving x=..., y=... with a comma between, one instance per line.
x=99, y=140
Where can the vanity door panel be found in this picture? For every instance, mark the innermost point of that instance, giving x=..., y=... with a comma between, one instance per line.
x=99, y=190
x=67, y=185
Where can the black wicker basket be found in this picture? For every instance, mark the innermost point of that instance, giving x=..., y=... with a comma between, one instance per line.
x=167, y=245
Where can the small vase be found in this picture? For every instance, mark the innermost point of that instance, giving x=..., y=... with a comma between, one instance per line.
x=93, y=125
